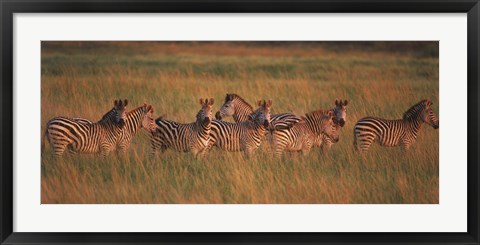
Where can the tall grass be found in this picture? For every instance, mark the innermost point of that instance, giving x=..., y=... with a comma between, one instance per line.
x=81, y=79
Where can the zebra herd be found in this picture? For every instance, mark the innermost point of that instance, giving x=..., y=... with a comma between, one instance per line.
x=283, y=132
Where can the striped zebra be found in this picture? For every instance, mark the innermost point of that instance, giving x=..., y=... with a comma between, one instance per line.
x=340, y=112
x=236, y=107
x=140, y=117
x=242, y=136
x=192, y=137
x=306, y=134
x=83, y=136
x=394, y=132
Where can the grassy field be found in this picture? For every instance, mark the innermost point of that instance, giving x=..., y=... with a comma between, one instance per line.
x=81, y=79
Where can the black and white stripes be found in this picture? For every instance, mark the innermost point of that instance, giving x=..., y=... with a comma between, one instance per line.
x=192, y=137
x=83, y=136
x=236, y=107
x=244, y=136
x=117, y=128
x=306, y=134
x=394, y=132
x=140, y=117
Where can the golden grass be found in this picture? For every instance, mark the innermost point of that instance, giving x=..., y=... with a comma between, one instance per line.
x=81, y=79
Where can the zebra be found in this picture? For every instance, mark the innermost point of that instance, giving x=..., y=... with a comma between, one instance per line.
x=242, y=136
x=192, y=137
x=84, y=136
x=340, y=112
x=236, y=107
x=239, y=109
x=394, y=132
x=306, y=134
x=140, y=117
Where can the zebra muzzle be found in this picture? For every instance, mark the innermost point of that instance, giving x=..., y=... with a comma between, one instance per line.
x=266, y=123
x=121, y=123
x=206, y=121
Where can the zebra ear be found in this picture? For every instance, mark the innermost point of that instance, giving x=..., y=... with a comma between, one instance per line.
x=345, y=102
x=115, y=103
x=336, y=102
x=259, y=103
x=269, y=103
x=125, y=103
x=211, y=101
x=428, y=103
x=201, y=101
x=229, y=97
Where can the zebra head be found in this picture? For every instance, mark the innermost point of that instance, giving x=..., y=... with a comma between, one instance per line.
x=235, y=106
x=147, y=120
x=228, y=107
x=262, y=114
x=428, y=116
x=205, y=114
x=330, y=126
x=119, y=108
x=340, y=111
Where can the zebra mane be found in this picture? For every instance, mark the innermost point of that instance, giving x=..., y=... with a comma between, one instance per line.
x=414, y=110
x=135, y=110
x=144, y=108
x=231, y=97
x=108, y=115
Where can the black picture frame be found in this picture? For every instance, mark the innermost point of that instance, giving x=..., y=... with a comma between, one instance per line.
x=9, y=7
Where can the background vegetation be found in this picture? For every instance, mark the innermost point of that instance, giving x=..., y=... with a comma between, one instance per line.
x=81, y=79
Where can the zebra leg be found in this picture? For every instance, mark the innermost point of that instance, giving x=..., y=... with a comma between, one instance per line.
x=279, y=148
x=306, y=146
x=204, y=151
x=122, y=149
x=60, y=147
x=326, y=145
x=71, y=151
x=209, y=146
x=366, y=142
x=405, y=147
x=247, y=154
x=271, y=146
x=104, y=150
x=153, y=148
x=306, y=150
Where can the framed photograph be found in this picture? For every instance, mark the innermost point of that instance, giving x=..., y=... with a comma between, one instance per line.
x=228, y=122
